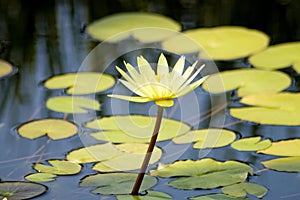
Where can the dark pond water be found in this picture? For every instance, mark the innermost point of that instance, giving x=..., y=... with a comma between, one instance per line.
x=46, y=38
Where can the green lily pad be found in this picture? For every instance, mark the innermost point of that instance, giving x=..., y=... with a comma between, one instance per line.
x=135, y=128
x=217, y=197
x=151, y=195
x=207, y=138
x=81, y=83
x=242, y=189
x=247, y=81
x=277, y=57
x=289, y=164
x=206, y=173
x=120, y=26
x=54, y=128
x=71, y=104
x=283, y=148
x=219, y=43
x=114, y=157
x=116, y=183
x=5, y=68
x=251, y=144
x=15, y=190
x=59, y=167
x=40, y=177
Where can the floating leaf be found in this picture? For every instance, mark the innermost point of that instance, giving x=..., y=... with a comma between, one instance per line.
x=135, y=128
x=59, y=167
x=289, y=164
x=285, y=106
x=151, y=195
x=5, y=68
x=71, y=104
x=116, y=183
x=247, y=81
x=15, y=190
x=81, y=83
x=114, y=157
x=242, y=189
x=284, y=148
x=217, y=197
x=40, y=177
x=251, y=144
x=54, y=128
x=133, y=24
x=205, y=173
x=207, y=138
x=277, y=56
x=220, y=43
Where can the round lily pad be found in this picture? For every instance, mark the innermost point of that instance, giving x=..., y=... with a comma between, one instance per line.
x=217, y=197
x=116, y=183
x=242, y=189
x=40, y=177
x=276, y=109
x=71, y=104
x=251, y=144
x=5, y=68
x=15, y=190
x=207, y=138
x=289, y=164
x=59, y=167
x=81, y=83
x=220, y=43
x=277, y=57
x=135, y=128
x=284, y=148
x=54, y=128
x=151, y=195
x=247, y=81
x=116, y=27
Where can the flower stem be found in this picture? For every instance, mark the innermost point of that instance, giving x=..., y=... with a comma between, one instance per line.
x=139, y=179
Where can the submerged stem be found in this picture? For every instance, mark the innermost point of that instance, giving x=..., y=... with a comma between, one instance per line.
x=144, y=166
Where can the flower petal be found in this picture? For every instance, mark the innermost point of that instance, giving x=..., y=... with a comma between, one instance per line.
x=133, y=72
x=162, y=66
x=191, y=87
x=178, y=68
x=130, y=98
x=145, y=69
x=191, y=78
x=133, y=88
x=165, y=103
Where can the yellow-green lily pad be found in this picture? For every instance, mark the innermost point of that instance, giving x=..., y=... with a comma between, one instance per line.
x=116, y=183
x=40, y=177
x=151, y=195
x=135, y=128
x=219, y=43
x=71, y=104
x=81, y=83
x=247, y=81
x=116, y=27
x=59, y=167
x=205, y=174
x=54, y=128
x=242, y=189
x=275, y=109
x=251, y=144
x=277, y=57
x=289, y=164
x=5, y=68
x=283, y=148
x=217, y=197
x=207, y=138
x=111, y=157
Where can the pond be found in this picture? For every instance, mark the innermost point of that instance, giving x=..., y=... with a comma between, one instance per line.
x=42, y=40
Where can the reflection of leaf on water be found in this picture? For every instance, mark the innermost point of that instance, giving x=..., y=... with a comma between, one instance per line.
x=116, y=183
x=285, y=106
x=59, y=167
x=207, y=138
x=242, y=189
x=135, y=128
x=40, y=177
x=205, y=173
x=16, y=190
x=54, y=128
x=247, y=81
x=81, y=83
x=217, y=197
x=71, y=104
x=251, y=144
x=114, y=157
x=151, y=195
x=288, y=164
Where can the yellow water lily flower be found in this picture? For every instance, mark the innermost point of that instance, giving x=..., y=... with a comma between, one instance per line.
x=161, y=87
